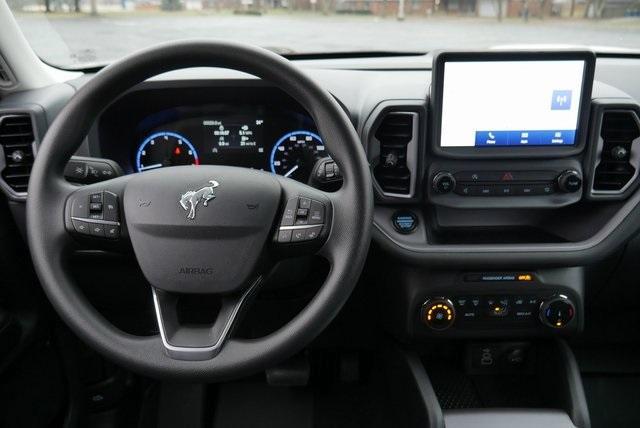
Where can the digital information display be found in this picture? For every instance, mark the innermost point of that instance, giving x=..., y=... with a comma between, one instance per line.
x=232, y=134
x=511, y=103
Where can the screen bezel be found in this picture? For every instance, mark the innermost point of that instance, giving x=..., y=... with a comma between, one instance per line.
x=437, y=86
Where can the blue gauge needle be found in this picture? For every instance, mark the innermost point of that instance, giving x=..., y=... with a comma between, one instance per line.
x=155, y=165
x=291, y=171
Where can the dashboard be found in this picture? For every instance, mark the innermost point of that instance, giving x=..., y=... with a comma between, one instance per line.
x=473, y=187
x=254, y=127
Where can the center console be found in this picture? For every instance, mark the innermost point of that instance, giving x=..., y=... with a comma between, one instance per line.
x=492, y=195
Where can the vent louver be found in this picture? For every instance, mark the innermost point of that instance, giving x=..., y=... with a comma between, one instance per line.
x=393, y=171
x=615, y=170
x=16, y=139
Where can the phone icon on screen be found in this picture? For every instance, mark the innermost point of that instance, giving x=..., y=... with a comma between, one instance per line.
x=491, y=136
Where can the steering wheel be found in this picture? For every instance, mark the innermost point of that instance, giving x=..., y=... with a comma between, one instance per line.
x=206, y=230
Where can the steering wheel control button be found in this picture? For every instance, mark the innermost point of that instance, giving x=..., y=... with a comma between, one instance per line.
x=304, y=203
x=302, y=220
x=316, y=213
x=80, y=208
x=82, y=227
x=289, y=214
x=557, y=312
x=298, y=235
x=404, y=221
x=284, y=236
x=443, y=182
x=96, y=214
x=313, y=232
x=112, y=232
x=97, y=229
x=438, y=314
x=110, y=207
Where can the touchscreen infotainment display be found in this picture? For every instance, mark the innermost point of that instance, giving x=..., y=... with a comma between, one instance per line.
x=512, y=103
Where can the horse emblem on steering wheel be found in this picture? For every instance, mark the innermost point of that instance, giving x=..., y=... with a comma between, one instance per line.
x=190, y=200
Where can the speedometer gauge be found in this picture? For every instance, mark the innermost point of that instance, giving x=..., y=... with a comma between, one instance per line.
x=165, y=149
x=295, y=154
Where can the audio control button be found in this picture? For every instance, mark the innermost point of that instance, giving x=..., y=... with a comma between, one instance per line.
x=570, y=181
x=443, y=182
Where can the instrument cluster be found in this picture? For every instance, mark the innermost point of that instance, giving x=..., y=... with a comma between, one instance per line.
x=273, y=133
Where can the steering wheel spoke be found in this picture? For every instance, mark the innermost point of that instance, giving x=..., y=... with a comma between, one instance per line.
x=304, y=224
x=94, y=215
x=198, y=342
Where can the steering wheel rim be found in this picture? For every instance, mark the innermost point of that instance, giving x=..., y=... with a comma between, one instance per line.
x=50, y=243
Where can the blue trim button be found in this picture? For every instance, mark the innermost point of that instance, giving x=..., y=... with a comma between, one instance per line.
x=404, y=221
x=492, y=138
x=557, y=138
x=524, y=138
x=561, y=100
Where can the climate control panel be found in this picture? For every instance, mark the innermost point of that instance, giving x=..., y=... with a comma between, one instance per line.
x=502, y=303
x=498, y=311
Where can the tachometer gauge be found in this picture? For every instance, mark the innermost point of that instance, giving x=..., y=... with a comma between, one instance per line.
x=165, y=149
x=295, y=154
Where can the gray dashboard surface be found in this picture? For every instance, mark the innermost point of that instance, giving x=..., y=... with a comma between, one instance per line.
x=359, y=84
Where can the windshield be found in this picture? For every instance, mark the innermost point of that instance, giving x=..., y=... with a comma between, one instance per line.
x=79, y=33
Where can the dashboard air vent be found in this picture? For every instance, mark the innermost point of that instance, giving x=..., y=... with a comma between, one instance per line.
x=16, y=139
x=616, y=165
x=395, y=135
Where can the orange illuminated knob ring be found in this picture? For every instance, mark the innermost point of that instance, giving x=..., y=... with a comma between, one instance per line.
x=438, y=314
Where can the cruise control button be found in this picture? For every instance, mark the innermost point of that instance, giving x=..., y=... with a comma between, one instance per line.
x=304, y=203
x=110, y=207
x=95, y=206
x=97, y=229
x=284, y=236
x=112, y=232
x=302, y=212
x=313, y=232
x=95, y=197
x=302, y=221
x=298, y=235
x=81, y=227
x=289, y=214
x=316, y=213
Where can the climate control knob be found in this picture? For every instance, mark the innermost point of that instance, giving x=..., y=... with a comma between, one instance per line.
x=570, y=181
x=443, y=182
x=438, y=314
x=557, y=311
